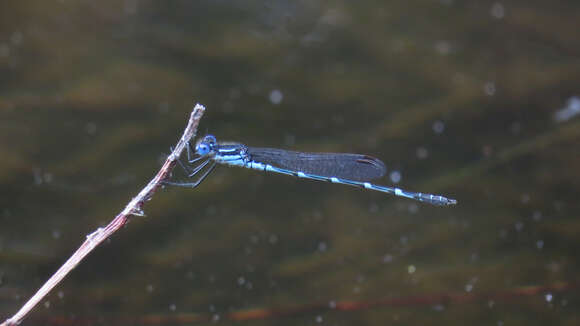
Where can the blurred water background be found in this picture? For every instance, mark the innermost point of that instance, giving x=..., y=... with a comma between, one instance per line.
x=477, y=100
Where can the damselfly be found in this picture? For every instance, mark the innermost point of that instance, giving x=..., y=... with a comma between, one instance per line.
x=342, y=168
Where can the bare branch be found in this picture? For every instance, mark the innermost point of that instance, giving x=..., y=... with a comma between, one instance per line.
x=133, y=208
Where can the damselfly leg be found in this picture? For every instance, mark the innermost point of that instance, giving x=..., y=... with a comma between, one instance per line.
x=195, y=171
x=192, y=171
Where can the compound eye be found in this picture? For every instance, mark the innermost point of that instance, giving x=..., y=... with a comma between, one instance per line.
x=202, y=149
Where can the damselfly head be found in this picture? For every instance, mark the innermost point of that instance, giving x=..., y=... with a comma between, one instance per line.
x=206, y=145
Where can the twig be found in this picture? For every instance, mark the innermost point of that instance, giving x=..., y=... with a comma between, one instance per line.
x=133, y=208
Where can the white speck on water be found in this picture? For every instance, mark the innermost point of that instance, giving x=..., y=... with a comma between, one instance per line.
x=215, y=318
x=91, y=128
x=503, y=233
x=16, y=38
x=395, y=176
x=519, y=226
x=540, y=244
x=537, y=215
x=422, y=153
x=388, y=258
x=241, y=280
x=438, y=307
x=497, y=10
x=322, y=246
x=172, y=307
x=525, y=198
x=489, y=88
x=149, y=288
x=273, y=239
x=403, y=240
x=411, y=269
x=60, y=294
x=548, y=297
x=571, y=109
x=491, y=303
x=438, y=127
x=474, y=257
x=131, y=7
x=4, y=50
x=56, y=234
x=319, y=319
x=332, y=304
x=46, y=304
x=276, y=96
x=443, y=47
x=516, y=128
x=468, y=287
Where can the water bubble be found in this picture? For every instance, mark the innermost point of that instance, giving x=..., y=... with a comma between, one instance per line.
x=497, y=10
x=489, y=88
x=438, y=127
x=571, y=109
x=16, y=38
x=422, y=153
x=4, y=50
x=525, y=198
x=503, y=233
x=91, y=128
x=56, y=234
x=548, y=297
x=273, y=238
x=388, y=258
x=395, y=176
x=276, y=96
x=443, y=47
